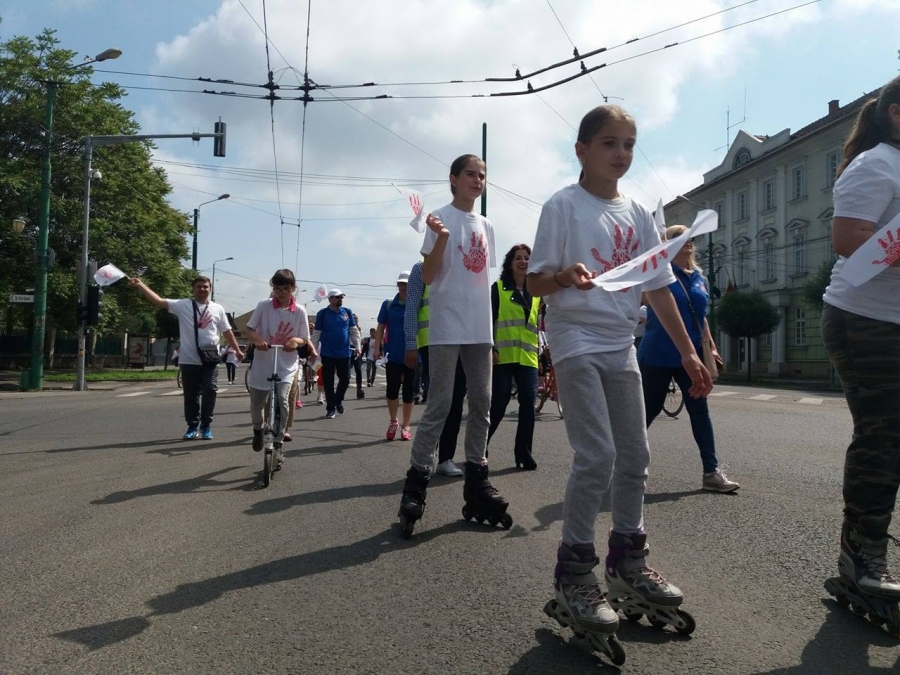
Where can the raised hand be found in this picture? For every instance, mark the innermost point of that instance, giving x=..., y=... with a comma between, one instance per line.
x=435, y=224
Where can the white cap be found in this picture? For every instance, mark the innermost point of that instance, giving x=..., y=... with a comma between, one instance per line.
x=403, y=278
x=335, y=292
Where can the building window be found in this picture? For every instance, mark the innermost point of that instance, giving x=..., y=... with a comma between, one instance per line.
x=741, y=158
x=741, y=266
x=799, y=251
x=718, y=208
x=768, y=340
x=799, y=326
x=769, y=258
x=831, y=166
x=742, y=210
x=798, y=182
x=768, y=195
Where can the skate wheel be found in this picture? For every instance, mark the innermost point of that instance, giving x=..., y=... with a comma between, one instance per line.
x=493, y=521
x=506, y=521
x=859, y=610
x=408, y=526
x=616, y=651
x=550, y=608
x=656, y=623
x=876, y=621
x=690, y=624
x=467, y=512
x=267, y=468
x=631, y=615
x=480, y=519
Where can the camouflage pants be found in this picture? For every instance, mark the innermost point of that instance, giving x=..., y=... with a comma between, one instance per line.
x=866, y=354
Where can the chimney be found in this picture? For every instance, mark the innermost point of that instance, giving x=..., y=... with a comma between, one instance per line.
x=833, y=106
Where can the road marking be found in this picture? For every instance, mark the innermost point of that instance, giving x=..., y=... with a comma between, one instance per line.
x=811, y=401
x=762, y=397
x=723, y=393
x=177, y=392
x=135, y=393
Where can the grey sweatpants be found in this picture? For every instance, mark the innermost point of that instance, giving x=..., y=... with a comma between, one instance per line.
x=259, y=398
x=476, y=362
x=601, y=396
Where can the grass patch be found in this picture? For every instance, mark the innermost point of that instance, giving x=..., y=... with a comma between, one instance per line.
x=116, y=375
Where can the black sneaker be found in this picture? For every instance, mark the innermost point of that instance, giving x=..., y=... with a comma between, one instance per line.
x=257, y=440
x=340, y=409
x=360, y=393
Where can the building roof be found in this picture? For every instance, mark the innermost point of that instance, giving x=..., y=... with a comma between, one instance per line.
x=838, y=115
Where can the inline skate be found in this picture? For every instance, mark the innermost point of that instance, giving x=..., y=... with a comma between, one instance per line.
x=864, y=583
x=581, y=605
x=638, y=590
x=412, y=503
x=483, y=501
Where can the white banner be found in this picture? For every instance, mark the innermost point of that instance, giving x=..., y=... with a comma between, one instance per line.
x=108, y=275
x=321, y=293
x=659, y=217
x=417, y=204
x=875, y=255
x=652, y=263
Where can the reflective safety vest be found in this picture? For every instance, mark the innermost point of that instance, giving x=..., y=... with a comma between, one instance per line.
x=515, y=337
x=422, y=333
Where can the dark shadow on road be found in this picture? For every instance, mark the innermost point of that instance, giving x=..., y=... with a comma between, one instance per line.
x=187, y=447
x=841, y=646
x=555, y=655
x=326, y=496
x=177, y=487
x=301, y=446
x=197, y=594
x=547, y=515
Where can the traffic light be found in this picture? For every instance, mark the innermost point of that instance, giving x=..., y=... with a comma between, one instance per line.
x=219, y=140
x=92, y=314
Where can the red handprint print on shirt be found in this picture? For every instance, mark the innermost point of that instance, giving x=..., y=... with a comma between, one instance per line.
x=476, y=259
x=625, y=246
x=205, y=319
x=891, y=248
x=651, y=261
x=283, y=334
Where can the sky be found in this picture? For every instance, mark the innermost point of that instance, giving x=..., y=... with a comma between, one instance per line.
x=342, y=220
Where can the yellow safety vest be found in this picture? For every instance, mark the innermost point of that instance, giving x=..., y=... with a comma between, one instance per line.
x=422, y=333
x=515, y=337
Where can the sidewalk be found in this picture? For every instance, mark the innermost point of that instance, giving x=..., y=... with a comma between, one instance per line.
x=9, y=380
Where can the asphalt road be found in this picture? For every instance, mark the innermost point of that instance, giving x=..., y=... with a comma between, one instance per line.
x=127, y=550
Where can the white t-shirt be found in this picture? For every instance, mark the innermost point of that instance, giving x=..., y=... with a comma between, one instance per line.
x=577, y=227
x=869, y=189
x=231, y=356
x=460, y=295
x=212, y=323
x=276, y=325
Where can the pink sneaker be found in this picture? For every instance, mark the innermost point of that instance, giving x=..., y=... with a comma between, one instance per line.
x=392, y=430
x=405, y=434
x=299, y=403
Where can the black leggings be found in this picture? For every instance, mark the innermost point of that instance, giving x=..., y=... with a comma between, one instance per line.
x=397, y=373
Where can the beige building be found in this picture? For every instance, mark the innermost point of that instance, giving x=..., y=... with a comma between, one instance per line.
x=773, y=197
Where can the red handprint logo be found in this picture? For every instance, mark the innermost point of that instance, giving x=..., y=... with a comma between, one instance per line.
x=106, y=274
x=416, y=203
x=651, y=261
x=476, y=259
x=205, y=319
x=283, y=334
x=891, y=248
x=625, y=246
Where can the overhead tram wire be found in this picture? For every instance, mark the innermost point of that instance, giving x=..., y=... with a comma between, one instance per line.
x=303, y=135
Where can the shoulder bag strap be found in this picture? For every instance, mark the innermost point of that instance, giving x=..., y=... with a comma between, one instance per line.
x=197, y=329
x=690, y=306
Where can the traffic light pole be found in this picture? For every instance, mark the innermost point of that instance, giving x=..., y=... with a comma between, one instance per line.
x=99, y=141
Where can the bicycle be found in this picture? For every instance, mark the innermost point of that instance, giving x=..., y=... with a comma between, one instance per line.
x=178, y=380
x=272, y=457
x=674, y=400
x=247, y=376
x=549, y=391
x=309, y=378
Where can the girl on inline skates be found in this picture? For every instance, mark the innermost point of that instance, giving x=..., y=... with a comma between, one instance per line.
x=458, y=250
x=861, y=330
x=584, y=230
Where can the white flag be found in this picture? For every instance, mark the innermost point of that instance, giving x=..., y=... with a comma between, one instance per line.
x=659, y=218
x=321, y=293
x=878, y=253
x=653, y=262
x=108, y=275
x=417, y=204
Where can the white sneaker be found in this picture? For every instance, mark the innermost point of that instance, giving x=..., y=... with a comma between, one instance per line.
x=321, y=399
x=448, y=468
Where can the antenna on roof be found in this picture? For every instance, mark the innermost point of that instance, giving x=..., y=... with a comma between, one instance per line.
x=729, y=126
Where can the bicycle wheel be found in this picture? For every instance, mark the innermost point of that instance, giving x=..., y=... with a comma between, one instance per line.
x=247, y=377
x=674, y=400
x=178, y=378
x=539, y=400
x=559, y=405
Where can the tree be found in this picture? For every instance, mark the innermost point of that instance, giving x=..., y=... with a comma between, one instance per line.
x=746, y=314
x=814, y=289
x=131, y=224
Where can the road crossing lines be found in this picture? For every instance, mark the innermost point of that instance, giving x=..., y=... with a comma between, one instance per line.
x=811, y=401
x=763, y=397
x=132, y=394
x=724, y=393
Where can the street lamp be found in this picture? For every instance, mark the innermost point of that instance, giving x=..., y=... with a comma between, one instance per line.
x=214, y=275
x=18, y=225
x=33, y=378
x=196, y=218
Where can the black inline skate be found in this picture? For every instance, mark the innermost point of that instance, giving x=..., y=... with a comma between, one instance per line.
x=638, y=590
x=581, y=605
x=865, y=584
x=483, y=501
x=412, y=503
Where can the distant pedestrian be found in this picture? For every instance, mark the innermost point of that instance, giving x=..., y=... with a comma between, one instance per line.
x=231, y=363
x=368, y=348
x=201, y=325
x=337, y=339
x=356, y=362
x=390, y=317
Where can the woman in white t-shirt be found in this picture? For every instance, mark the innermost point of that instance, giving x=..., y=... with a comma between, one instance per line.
x=861, y=331
x=277, y=320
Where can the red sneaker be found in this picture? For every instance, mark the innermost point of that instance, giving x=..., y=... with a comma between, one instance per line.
x=392, y=430
x=405, y=434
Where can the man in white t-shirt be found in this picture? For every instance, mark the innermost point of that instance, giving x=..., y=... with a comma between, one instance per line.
x=278, y=320
x=197, y=318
